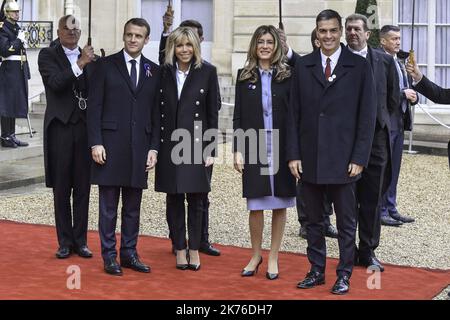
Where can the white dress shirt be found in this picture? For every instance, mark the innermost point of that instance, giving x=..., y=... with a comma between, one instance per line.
x=73, y=55
x=362, y=53
x=334, y=59
x=181, y=79
x=128, y=58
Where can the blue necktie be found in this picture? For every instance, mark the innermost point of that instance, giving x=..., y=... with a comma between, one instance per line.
x=133, y=74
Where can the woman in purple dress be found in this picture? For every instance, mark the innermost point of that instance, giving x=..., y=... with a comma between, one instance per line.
x=260, y=114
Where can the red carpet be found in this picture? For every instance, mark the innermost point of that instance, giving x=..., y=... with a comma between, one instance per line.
x=29, y=270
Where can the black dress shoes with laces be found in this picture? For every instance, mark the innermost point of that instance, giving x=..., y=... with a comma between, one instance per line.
x=371, y=262
x=83, y=251
x=251, y=273
x=341, y=286
x=134, y=263
x=7, y=142
x=389, y=221
x=331, y=232
x=63, y=252
x=397, y=216
x=207, y=248
x=302, y=232
x=112, y=267
x=312, y=279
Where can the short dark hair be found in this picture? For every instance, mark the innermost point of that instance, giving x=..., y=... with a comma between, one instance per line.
x=138, y=22
x=388, y=28
x=356, y=17
x=329, y=14
x=193, y=24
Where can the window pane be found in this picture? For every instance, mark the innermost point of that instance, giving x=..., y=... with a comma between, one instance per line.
x=27, y=10
x=420, y=42
x=442, y=11
x=202, y=11
x=442, y=39
x=405, y=11
x=443, y=76
x=152, y=11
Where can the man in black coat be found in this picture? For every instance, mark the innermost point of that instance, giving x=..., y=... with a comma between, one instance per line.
x=124, y=133
x=429, y=89
x=205, y=246
x=401, y=121
x=376, y=177
x=64, y=70
x=14, y=75
x=330, y=133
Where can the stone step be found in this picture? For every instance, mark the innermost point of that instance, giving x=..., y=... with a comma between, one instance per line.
x=14, y=174
x=225, y=80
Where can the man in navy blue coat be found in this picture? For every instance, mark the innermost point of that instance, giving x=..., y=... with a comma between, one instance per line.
x=124, y=133
x=330, y=133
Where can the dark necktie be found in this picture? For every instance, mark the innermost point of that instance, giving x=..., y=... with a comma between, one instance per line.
x=328, y=69
x=402, y=69
x=133, y=74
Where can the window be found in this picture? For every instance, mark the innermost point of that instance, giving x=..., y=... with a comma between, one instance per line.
x=431, y=36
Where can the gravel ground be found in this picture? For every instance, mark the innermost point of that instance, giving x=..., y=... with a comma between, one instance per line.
x=423, y=193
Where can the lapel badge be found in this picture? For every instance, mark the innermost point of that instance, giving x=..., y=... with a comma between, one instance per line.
x=148, y=72
x=332, y=78
x=252, y=86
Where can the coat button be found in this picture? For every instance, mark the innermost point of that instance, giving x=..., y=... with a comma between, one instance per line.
x=197, y=127
x=162, y=140
x=162, y=103
x=197, y=140
x=197, y=103
x=202, y=91
x=322, y=114
x=162, y=128
x=162, y=116
x=160, y=90
x=196, y=115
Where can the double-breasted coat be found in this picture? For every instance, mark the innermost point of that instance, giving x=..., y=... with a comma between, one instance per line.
x=14, y=74
x=194, y=113
x=332, y=121
x=124, y=120
x=248, y=115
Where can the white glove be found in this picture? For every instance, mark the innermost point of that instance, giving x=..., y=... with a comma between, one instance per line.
x=21, y=36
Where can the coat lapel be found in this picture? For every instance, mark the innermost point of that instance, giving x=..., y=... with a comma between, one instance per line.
x=344, y=63
x=120, y=63
x=142, y=74
x=62, y=56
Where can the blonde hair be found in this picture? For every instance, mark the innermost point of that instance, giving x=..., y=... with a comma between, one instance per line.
x=279, y=59
x=177, y=36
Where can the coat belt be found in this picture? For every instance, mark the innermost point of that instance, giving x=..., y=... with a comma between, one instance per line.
x=15, y=58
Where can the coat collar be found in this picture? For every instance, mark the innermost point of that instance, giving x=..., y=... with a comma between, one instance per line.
x=120, y=63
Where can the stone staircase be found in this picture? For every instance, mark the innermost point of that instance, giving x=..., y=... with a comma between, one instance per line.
x=226, y=112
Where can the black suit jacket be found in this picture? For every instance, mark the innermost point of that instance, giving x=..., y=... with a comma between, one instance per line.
x=124, y=120
x=432, y=91
x=195, y=112
x=59, y=82
x=248, y=115
x=331, y=124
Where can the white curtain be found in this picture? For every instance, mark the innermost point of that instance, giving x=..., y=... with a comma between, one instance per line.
x=442, y=42
x=202, y=11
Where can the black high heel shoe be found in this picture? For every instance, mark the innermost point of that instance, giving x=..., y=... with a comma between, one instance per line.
x=193, y=267
x=246, y=273
x=272, y=276
x=183, y=266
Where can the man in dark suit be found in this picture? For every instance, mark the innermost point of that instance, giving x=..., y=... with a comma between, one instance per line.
x=124, y=133
x=65, y=70
x=330, y=133
x=205, y=246
x=429, y=89
x=376, y=177
x=401, y=120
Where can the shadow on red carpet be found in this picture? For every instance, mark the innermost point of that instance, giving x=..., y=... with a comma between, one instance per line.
x=29, y=270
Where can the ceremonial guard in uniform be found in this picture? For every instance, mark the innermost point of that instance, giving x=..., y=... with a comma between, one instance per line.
x=14, y=75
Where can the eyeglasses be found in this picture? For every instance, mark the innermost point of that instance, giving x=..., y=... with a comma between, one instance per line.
x=265, y=43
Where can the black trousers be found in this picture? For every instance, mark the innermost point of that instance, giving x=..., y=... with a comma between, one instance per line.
x=370, y=190
x=303, y=215
x=8, y=126
x=131, y=208
x=176, y=216
x=343, y=197
x=205, y=217
x=69, y=159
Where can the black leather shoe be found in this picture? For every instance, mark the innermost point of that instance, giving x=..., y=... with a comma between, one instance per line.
x=341, y=286
x=370, y=262
x=302, y=232
x=194, y=267
x=388, y=221
x=134, y=263
x=271, y=276
x=183, y=266
x=7, y=142
x=63, y=252
x=83, y=252
x=247, y=273
x=397, y=216
x=311, y=280
x=112, y=267
x=207, y=248
x=331, y=232
x=18, y=142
